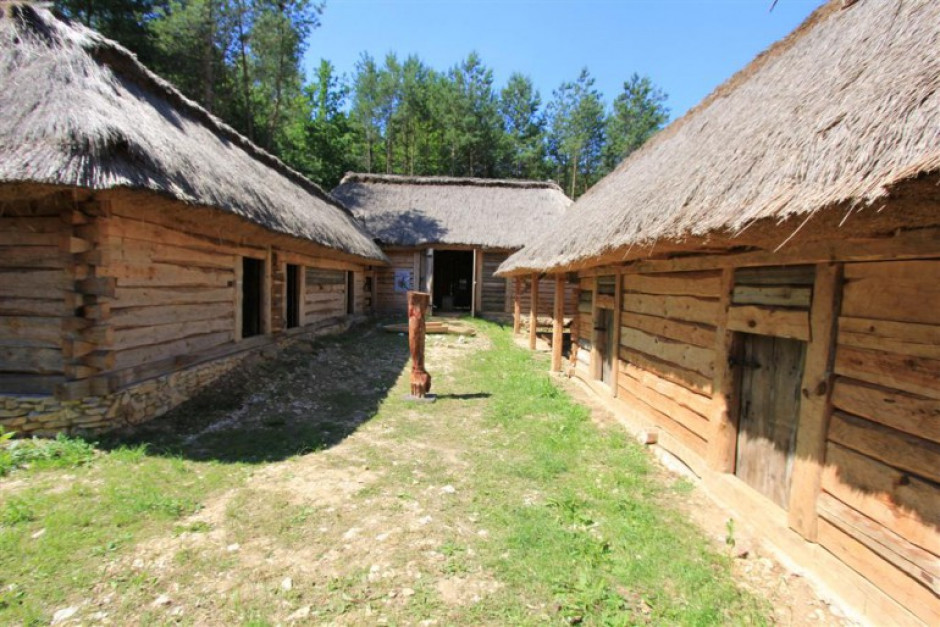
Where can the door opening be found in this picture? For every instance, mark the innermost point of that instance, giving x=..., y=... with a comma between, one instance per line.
x=604, y=340
x=453, y=280
x=350, y=293
x=252, y=296
x=771, y=373
x=292, y=318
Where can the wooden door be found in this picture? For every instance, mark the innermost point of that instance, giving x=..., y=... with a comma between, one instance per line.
x=771, y=375
x=604, y=339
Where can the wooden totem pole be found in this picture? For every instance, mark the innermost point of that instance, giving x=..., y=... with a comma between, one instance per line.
x=417, y=307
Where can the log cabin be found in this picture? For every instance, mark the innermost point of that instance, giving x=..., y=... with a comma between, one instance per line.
x=760, y=292
x=446, y=236
x=145, y=246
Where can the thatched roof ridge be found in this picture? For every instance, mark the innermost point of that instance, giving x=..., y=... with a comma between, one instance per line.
x=429, y=210
x=79, y=110
x=836, y=114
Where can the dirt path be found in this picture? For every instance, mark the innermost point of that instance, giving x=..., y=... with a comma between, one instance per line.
x=377, y=527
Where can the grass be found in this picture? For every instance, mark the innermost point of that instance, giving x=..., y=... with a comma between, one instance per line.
x=553, y=519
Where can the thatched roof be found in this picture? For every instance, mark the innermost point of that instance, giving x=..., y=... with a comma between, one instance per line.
x=835, y=114
x=79, y=110
x=416, y=211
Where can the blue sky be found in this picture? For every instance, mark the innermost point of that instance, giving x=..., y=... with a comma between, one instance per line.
x=687, y=47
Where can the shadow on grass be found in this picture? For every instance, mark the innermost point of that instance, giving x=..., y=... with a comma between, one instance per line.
x=310, y=397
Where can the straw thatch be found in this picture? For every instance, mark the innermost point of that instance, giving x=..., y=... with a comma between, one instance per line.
x=845, y=107
x=416, y=211
x=79, y=110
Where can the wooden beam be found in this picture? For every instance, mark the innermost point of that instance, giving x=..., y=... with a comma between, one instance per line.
x=618, y=309
x=476, y=305
x=787, y=323
x=722, y=440
x=815, y=408
x=533, y=311
x=592, y=332
x=558, y=321
x=517, y=305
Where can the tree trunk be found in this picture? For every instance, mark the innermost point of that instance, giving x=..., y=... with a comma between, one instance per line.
x=246, y=84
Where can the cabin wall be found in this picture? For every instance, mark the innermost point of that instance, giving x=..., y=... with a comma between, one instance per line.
x=150, y=306
x=870, y=399
x=390, y=300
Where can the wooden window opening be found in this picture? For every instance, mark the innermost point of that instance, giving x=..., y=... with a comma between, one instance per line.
x=252, y=296
x=350, y=293
x=292, y=317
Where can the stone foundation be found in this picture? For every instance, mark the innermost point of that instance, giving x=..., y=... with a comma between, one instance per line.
x=44, y=415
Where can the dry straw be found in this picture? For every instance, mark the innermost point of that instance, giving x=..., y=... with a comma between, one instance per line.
x=845, y=107
x=79, y=110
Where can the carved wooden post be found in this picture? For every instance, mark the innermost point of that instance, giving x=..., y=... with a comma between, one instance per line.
x=417, y=306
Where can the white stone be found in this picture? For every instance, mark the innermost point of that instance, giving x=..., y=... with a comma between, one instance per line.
x=287, y=584
x=448, y=489
x=300, y=614
x=162, y=600
x=233, y=547
x=63, y=615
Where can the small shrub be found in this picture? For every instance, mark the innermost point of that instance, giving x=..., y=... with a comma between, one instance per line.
x=61, y=452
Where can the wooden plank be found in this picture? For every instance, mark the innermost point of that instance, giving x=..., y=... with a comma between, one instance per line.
x=900, y=450
x=615, y=340
x=916, y=415
x=184, y=346
x=686, y=308
x=902, y=338
x=135, y=337
x=517, y=306
x=687, y=332
x=167, y=275
x=38, y=332
x=97, y=286
x=687, y=356
x=813, y=424
x=558, y=322
x=125, y=297
x=776, y=275
x=920, y=565
x=705, y=284
x=694, y=422
x=30, y=360
x=917, y=375
x=32, y=257
x=895, y=499
x=146, y=316
x=694, y=401
x=903, y=291
x=19, y=238
x=694, y=381
x=533, y=310
x=29, y=383
x=773, y=296
x=786, y=323
x=135, y=252
x=31, y=224
x=39, y=284
x=897, y=584
x=688, y=438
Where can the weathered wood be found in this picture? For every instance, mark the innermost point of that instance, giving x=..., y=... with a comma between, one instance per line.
x=616, y=331
x=517, y=306
x=915, y=455
x=97, y=286
x=148, y=316
x=683, y=435
x=897, y=584
x=911, y=414
x=773, y=296
x=33, y=307
x=813, y=422
x=30, y=360
x=694, y=401
x=686, y=308
x=894, y=498
x=29, y=383
x=902, y=338
x=73, y=349
x=134, y=337
x=903, y=291
x=136, y=356
x=159, y=296
x=100, y=360
x=533, y=311
x=917, y=375
x=73, y=390
x=166, y=275
x=776, y=275
x=694, y=422
x=418, y=303
x=785, y=323
x=705, y=284
x=690, y=379
x=687, y=332
x=32, y=257
x=38, y=332
x=558, y=322
x=687, y=356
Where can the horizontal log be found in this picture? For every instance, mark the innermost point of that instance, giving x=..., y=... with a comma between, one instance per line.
x=917, y=375
x=167, y=275
x=706, y=284
x=911, y=414
x=184, y=346
x=898, y=585
x=73, y=349
x=919, y=564
x=688, y=308
x=31, y=224
x=900, y=450
x=29, y=383
x=686, y=437
x=166, y=314
x=772, y=296
x=32, y=257
x=31, y=360
x=694, y=422
x=38, y=331
x=694, y=381
x=688, y=332
x=787, y=323
x=604, y=301
x=903, y=291
x=161, y=333
x=776, y=275
x=39, y=284
x=686, y=356
x=896, y=499
x=99, y=360
x=902, y=338
x=20, y=238
x=131, y=229
x=73, y=390
x=97, y=286
x=160, y=296
x=142, y=253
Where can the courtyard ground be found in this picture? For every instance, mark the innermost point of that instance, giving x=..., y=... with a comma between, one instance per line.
x=305, y=489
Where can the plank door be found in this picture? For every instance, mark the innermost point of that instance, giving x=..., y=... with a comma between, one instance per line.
x=604, y=338
x=771, y=376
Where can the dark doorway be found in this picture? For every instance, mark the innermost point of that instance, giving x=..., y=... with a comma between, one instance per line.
x=453, y=279
x=293, y=296
x=604, y=340
x=771, y=373
x=252, y=296
x=350, y=293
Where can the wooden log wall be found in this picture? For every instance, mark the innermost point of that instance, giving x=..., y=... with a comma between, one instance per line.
x=585, y=323
x=325, y=293
x=880, y=502
x=36, y=292
x=546, y=299
x=387, y=299
x=667, y=350
x=497, y=292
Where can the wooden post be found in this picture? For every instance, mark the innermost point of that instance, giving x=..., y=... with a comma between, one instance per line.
x=815, y=408
x=477, y=295
x=721, y=445
x=417, y=307
x=615, y=358
x=533, y=310
x=558, y=322
x=575, y=328
x=517, y=306
x=592, y=333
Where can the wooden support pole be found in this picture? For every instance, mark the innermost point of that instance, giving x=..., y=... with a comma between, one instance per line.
x=815, y=408
x=517, y=306
x=615, y=360
x=533, y=310
x=723, y=436
x=558, y=322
